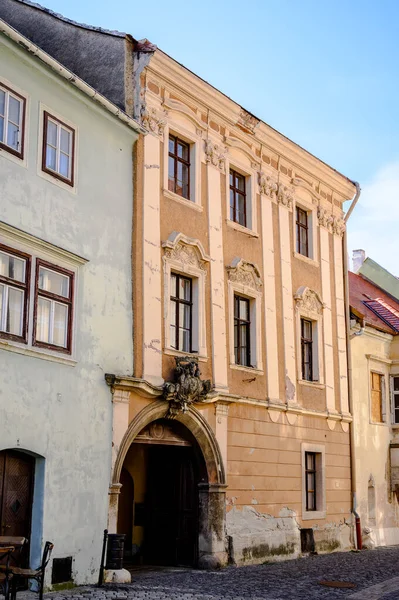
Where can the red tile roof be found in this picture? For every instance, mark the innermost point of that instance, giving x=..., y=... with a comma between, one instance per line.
x=369, y=301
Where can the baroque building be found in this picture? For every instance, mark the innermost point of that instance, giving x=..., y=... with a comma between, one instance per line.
x=231, y=441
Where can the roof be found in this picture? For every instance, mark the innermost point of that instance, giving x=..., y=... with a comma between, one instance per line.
x=370, y=302
x=380, y=276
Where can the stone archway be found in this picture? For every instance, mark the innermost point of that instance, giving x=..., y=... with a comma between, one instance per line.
x=212, y=511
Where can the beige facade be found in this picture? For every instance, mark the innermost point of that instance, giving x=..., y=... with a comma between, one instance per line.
x=259, y=421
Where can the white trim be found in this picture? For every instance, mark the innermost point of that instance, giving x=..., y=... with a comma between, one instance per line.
x=250, y=195
x=308, y=515
x=195, y=163
x=181, y=200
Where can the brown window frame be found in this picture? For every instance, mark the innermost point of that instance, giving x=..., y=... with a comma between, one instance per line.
x=4, y=146
x=61, y=299
x=236, y=191
x=379, y=391
x=176, y=160
x=45, y=169
x=22, y=286
x=177, y=301
x=307, y=343
x=238, y=323
x=302, y=227
x=395, y=400
x=313, y=473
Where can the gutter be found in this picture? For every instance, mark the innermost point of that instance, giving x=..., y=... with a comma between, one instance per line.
x=73, y=79
x=349, y=361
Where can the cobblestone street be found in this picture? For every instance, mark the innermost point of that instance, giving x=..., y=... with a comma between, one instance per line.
x=374, y=573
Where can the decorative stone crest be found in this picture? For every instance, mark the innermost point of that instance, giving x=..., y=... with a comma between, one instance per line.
x=247, y=122
x=185, y=250
x=152, y=120
x=325, y=218
x=187, y=388
x=215, y=155
x=245, y=273
x=308, y=301
x=267, y=185
x=285, y=195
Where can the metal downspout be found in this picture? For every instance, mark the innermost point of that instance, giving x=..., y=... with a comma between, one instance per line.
x=349, y=360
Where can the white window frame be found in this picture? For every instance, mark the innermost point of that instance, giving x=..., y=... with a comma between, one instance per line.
x=308, y=310
x=174, y=262
x=393, y=394
x=194, y=142
x=10, y=90
x=320, y=451
x=311, y=211
x=251, y=227
x=60, y=126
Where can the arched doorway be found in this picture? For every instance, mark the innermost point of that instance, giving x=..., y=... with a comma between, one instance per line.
x=179, y=489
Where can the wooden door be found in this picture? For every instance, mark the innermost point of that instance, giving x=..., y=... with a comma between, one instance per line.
x=16, y=493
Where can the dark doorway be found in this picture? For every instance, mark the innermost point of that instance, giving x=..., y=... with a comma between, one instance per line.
x=125, y=511
x=171, y=530
x=16, y=493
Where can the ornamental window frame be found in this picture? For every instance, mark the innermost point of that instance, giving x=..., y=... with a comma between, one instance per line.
x=10, y=91
x=309, y=306
x=320, y=480
x=245, y=169
x=175, y=302
x=304, y=202
x=49, y=117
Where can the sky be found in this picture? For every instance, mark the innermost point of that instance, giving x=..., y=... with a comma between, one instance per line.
x=322, y=72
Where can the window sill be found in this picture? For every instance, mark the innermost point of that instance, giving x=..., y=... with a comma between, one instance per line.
x=173, y=352
x=36, y=353
x=181, y=200
x=313, y=384
x=307, y=259
x=379, y=424
x=313, y=515
x=254, y=370
x=242, y=229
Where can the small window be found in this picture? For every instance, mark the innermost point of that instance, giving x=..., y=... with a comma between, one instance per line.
x=53, y=307
x=302, y=232
x=242, y=331
x=181, y=313
x=58, y=149
x=376, y=398
x=238, y=198
x=311, y=482
x=179, y=167
x=307, y=349
x=14, y=290
x=395, y=399
x=12, y=116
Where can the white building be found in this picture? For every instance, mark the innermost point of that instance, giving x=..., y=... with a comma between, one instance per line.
x=66, y=199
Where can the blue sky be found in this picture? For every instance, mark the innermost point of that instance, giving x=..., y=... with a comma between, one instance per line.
x=323, y=72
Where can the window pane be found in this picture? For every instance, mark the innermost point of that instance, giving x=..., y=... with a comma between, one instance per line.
x=43, y=320
x=184, y=316
x=311, y=501
x=240, y=209
x=244, y=309
x=396, y=384
x=396, y=400
x=2, y=102
x=15, y=310
x=185, y=289
x=185, y=181
x=173, y=336
x=51, y=158
x=243, y=335
x=12, y=136
x=231, y=178
x=60, y=328
x=64, y=165
x=173, y=280
x=53, y=282
x=240, y=183
x=171, y=173
x=397, y=415
x=51, y=133
x=171, y=144
x=173, y=313
x=65, y=141
x=183, y=151
x=14, y=110
x=184, y=340
x=1, y=129
x=12, y=267
x=2, y=294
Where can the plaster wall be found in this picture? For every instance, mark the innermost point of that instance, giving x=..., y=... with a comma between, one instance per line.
x=52, y=405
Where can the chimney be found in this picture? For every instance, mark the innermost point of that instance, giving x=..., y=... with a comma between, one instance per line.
x=358, y=258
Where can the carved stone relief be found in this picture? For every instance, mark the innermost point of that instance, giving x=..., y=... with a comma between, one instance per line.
x=185, y=254
x=267, y=185
x=285, y=195
x=215, y=155
x=187, y=387
x=245, y=273
x=247, y=121
x=308, y=300
x=152, y=119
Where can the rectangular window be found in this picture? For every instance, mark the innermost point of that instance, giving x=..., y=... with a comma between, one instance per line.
x=376, y=397
x=310, y=480
x=14, y=291
x=12, y=117
x=53, y=307
x=242, y=331
x=395, y=399
x=179, y=167
x=238, y=198
x=307, y=349
x=302, y=232
x=58, y=149
x=181, y=313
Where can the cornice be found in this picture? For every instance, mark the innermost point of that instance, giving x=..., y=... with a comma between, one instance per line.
x=134, y=384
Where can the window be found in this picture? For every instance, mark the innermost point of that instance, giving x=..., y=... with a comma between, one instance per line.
x=58, y=149
x=179, y=167
x=310, y=478
x=376, y=397
x=395, y=399
x=302, y=232
x=14, y=291
x=307, y=349
x=242, y=331
x=12, y=116
x=53, y=307
x=238, y=198
x=181, y=313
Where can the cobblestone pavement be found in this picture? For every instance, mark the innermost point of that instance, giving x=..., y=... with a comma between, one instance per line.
x=374, y=572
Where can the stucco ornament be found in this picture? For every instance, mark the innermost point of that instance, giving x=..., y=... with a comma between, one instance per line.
x=285, y=195
x=215, y=155
x=308, y=301
x=338, y=226
x=267, y=185
x=326, y=219
x=187, y=388
x=245, y=273
x=152, y=119
x=186, y=251
x=247, y=121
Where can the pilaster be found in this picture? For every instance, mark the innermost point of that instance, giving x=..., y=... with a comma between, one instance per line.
x=338, y=229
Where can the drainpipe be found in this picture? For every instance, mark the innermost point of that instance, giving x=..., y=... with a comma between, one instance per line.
x=349, y=359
